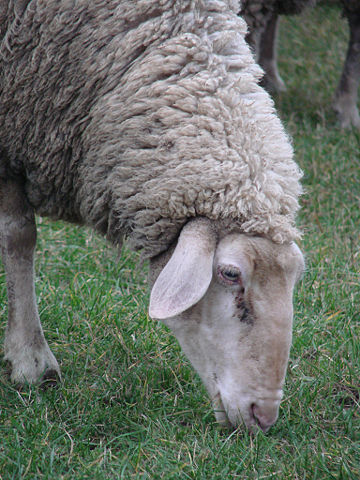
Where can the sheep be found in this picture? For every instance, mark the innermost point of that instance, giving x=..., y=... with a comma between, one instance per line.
x=145, y=120
x=263, y=21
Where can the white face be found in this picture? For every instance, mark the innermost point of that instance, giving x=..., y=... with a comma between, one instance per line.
x=238, y=334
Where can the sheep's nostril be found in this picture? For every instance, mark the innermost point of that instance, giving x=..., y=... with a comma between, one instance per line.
x=263, y=419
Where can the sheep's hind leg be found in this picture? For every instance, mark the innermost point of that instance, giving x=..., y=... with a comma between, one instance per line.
x=267, y=57
x=25, y=345
x=347, y=91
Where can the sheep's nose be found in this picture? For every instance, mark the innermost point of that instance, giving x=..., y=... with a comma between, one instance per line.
x=265, y=413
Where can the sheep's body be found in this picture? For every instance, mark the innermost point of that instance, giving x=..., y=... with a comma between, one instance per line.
x=117, y=131
x=262, y=18
x=135, y=117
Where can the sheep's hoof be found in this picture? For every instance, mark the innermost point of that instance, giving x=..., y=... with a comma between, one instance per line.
x=273, y=83
x=50, y=379
x=34, y=367
x=348, y=120
x=347, y=112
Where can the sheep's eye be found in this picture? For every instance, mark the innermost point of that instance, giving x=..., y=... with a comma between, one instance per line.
x=230, y=275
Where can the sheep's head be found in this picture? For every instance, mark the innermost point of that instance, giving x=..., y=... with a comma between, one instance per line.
x=229, y=303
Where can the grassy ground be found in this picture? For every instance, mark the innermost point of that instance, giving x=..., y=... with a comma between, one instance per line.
x=130, y=405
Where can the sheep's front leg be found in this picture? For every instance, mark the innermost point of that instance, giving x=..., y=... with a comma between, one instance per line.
x=347, y=91
x=25, y=345
x=268, y=55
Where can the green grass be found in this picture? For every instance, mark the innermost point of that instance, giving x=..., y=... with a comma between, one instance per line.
x=130, y=406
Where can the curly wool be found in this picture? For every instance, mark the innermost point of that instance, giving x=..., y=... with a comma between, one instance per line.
x=137, y=116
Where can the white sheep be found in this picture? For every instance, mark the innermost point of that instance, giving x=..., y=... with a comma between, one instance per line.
x=145, y=120
x=262, y=18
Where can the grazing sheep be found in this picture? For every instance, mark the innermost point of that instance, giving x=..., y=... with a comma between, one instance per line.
x=145, y=120
x=262, y=18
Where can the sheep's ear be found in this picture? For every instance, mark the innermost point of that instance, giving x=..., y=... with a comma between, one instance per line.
x=186, y=277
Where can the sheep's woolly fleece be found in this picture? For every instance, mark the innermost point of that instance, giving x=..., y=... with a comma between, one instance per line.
x=135, y=116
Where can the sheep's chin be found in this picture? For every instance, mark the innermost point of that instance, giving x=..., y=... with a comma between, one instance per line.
x=220, y=413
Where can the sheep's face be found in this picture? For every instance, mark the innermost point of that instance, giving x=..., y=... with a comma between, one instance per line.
x=230, y=306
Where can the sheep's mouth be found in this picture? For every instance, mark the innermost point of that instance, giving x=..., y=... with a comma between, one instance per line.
x=220, y=412
x=223, y=419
